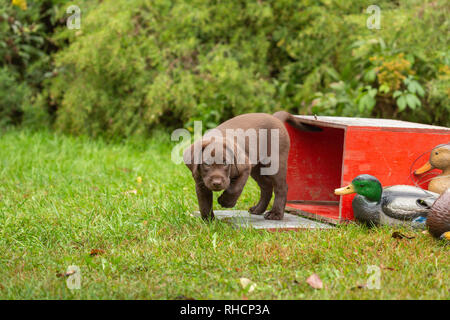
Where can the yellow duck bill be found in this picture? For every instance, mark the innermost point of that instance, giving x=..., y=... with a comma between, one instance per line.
x=426, y=167
x=345, y=190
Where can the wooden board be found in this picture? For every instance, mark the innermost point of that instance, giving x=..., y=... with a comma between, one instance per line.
x=243, y=219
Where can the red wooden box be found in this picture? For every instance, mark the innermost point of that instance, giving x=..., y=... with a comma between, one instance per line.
x=320, y=162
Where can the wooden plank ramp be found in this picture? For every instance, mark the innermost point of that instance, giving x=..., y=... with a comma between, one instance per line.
x=243, y=219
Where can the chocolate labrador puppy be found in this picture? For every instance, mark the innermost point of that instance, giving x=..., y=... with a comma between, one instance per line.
x=254, y=144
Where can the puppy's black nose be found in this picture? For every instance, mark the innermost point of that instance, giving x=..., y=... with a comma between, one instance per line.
x=217, y=183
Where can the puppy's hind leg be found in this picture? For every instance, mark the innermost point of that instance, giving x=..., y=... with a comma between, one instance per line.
x=265, y=184
x=280, y=189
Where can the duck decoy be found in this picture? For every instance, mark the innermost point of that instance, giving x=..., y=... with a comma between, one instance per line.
x=399, y=204
x=438, y=221
x=439, y=159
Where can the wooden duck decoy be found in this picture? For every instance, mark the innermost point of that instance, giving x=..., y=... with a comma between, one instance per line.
x=393, y=205
x=439, y=159
x=438, y=221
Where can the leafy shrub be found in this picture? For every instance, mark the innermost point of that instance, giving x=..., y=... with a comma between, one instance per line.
x=137, y=65
x=14, y=96
x=438, y=99
x=392, y=72
x=25, y=60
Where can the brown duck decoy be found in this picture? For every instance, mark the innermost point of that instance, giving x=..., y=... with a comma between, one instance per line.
x=438, y=220
x=439, y=159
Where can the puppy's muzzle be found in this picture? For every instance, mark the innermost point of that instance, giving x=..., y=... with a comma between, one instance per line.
x=217, y=183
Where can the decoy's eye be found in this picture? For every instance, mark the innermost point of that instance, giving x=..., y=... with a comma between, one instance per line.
x=436, y=153
x=362, y=186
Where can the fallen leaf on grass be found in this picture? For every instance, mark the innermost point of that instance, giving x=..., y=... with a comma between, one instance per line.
x=65, y=274
x=399, y=235
x=139, y=180
x=360, y=286
x=247, y=283
x=134, y=191
x=387, y=268
x=96, y=252
x=314, y=281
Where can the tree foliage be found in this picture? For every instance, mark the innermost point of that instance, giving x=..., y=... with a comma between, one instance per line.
x=25, y=56
x=138, y=64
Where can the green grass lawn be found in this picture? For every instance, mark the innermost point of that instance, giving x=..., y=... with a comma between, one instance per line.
x=62, y=197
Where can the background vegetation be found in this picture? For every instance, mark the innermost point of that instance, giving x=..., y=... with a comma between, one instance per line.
x=136, y=65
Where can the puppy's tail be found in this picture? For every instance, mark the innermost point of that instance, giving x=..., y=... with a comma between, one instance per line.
x=284, y=116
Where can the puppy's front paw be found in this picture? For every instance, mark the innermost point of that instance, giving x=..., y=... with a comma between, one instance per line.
x=273, y=215
x=226, y=200
x=209, y=217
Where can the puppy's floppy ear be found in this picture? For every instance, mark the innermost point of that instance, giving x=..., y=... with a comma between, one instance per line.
x=192, y=156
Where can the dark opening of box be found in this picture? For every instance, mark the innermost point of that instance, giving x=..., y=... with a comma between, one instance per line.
x=314, y=171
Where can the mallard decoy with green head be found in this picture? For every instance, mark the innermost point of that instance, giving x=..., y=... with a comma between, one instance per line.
x=399, y=204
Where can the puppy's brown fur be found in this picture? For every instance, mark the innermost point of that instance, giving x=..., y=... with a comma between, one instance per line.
x=231, y=176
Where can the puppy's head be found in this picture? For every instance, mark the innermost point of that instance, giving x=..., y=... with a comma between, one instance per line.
x=211, y=161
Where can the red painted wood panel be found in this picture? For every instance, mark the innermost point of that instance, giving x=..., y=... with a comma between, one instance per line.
x=314, y=164
x=320, y=162
x=387, y=155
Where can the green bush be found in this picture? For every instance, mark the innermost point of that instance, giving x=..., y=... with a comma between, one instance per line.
x=25, y=57
x=141, y=64
x=396, y=72
x=13, y=97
